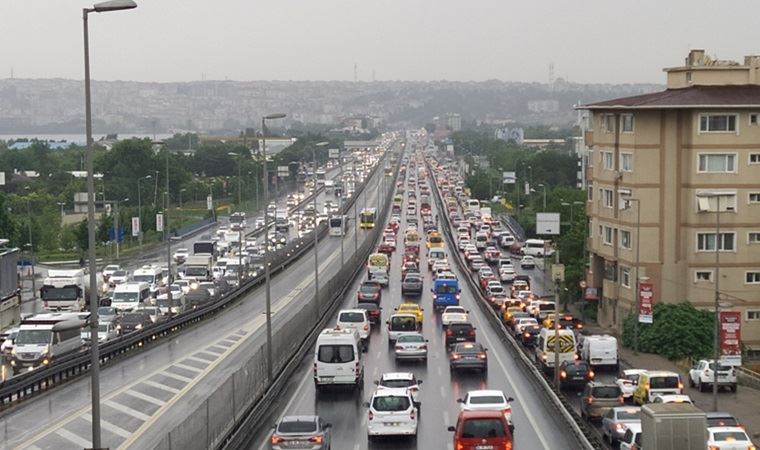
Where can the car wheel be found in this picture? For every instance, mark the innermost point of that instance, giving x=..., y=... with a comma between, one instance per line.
x=691, y=382
x=733, y=387
x=701, y=386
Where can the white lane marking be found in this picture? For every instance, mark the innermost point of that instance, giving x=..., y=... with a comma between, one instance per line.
x=146, y=398
x=115, y=429
x=356, y=446
x=446, y=419
x=33, y=447
x=161, y=386
x=443, y=392
x=517, y=394
x=127, y=410
x=200, y=360
x=374, y=372
x=188, y=368
x=175, y=376
x=69, y=436
x=378, y=355
x=364, y=419
x=440, y=372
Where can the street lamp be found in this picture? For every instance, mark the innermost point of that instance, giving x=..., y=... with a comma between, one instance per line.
x=117, y=218
x=316, y=227
x=63, y=215
x=112, y=5
x=166, y=230
x=139, y=210
x=240, y=183
x=638, y=276
x=266, y=240
x=716, y=331
x=571, y=204
x=542, y=185
x=180, y=196
x=31, y=244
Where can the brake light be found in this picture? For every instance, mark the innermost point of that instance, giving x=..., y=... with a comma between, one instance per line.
x=366, y=326
x=412, y=415
x=459, y=296
x=471, y=333
x=370, y=416
x=316, y=439
x=277, y=440
x=680, y=386
x=591, y=374
x=589, y=400
x=423, y=347
x=460, y=446
x=526, y=334
x=455, y=356
x=398, y=347
x=563, y=374
x=413, y=389
x=621, y=399
x=482, y=355
x=508, y=445
x=449, y=332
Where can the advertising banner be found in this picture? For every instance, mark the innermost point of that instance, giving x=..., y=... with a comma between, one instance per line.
x=135, y=226
x=730, y=338
x=159, y=222
x=209, y=202
x=646, y=302
x=508, y=178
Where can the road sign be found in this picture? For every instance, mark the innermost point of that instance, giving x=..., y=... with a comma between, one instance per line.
x=334, y=153
x=547, y=223
x=558, y=272
x=209, y=202
x=508, y=178
x=135, y=226
x=730, y=338
x=159, y=222
x=283, y=171
x=646, y=302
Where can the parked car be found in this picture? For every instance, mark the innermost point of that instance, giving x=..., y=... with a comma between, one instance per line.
x=702, y=376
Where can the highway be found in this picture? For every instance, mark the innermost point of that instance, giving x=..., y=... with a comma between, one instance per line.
x=536, y=424
x=151, y=392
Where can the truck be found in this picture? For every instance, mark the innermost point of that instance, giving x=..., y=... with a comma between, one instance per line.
x=320, y=177
x=205, y=248
x=446, y=292
x=198, y=268
x=338, y=189
x=329, y=186
x=486, y=215
x=43, y=338
x=65, y=290
x=673, y=426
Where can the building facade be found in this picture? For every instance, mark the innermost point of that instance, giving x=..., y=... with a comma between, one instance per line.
x=666, y=169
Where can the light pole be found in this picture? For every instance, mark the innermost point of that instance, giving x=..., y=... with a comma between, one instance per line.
x=340, y=208
x=638, y=276
x=316, y=228
x=180, y=196
x=266, y=240
x=542, y=185
x=571, y=204
x=117, y=218
x=63, y=215
x=716, y=331
x=356, y=222
x=31, y=244
x=166, y=230
x=112, y=5
x=139, y=211
x=240, y=183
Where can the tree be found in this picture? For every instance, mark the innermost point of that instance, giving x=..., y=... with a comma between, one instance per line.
x=687, y=331
x=8, y=224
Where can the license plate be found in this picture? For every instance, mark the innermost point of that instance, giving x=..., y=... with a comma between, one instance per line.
x=484, y=447
x=578, y=378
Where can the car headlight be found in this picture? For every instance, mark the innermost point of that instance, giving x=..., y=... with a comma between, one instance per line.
x=138, y=326
x=13, y=352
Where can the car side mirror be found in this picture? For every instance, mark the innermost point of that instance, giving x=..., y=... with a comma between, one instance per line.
x=452, y=429
x=365, y=404
x=459, y=400
x=327, y=425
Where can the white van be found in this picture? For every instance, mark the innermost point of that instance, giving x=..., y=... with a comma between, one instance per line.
x=473, y=205
x=537, y=248
x=600, y=350
x=337, y=359
x=435, y=254
x=545, y=347
x=481, y=240
x=129, y=296
x=149, y=274
x=355, y=319
x=44, y=337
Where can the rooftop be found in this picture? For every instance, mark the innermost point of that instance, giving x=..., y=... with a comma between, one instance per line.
x=731, y=96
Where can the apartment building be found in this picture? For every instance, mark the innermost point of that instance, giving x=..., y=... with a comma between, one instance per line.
x=666, y=168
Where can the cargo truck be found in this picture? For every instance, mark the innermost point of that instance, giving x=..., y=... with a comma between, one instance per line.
x=198, y=268
x=65, y=290
x=673, y=426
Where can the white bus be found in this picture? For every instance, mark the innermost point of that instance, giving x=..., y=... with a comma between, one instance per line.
x=537, y=247
x=338, y=225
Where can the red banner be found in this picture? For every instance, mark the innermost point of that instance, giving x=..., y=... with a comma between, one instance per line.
x=646, y=302
x=730, y=338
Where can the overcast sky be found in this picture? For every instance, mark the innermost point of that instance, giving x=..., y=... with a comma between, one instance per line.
x=183, y=40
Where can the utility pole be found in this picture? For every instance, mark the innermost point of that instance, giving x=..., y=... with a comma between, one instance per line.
x=356, y=222
x=556, y=324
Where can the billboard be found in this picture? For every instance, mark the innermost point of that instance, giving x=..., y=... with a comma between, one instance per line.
x=8, y=272
x=547, y=223
x=159, y=222
x=730, y=338
x=508, y=178
x=646, y=302
x=135, y=226
x=283, y=171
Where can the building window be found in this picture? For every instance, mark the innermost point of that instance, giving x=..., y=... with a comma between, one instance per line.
x=753, y=314
x=753, y=237
x=726, y=201
x=717, y=123
x=607, y=235
x=609, y=123
x=706, y=242
x=590, y=191
x=609, y=201
x=608, y=160
x=754, y=158
x=625, y=239
x=625, y=277
x=601, y=231
x=716, y=163
x=754, y=197
x=627, y=123
x=624, y=199
x=703, y=275
x=752, y=277
x=754, y=119
x=626, y=162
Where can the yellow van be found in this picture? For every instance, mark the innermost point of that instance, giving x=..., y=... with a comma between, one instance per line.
x=654, y=383
x=378, y=261
x=434, y=240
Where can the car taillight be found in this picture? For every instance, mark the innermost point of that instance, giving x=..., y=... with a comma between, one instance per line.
x=413, y=389
x=370, y=416
x=471, y=333
x=621, y=399
x=423, y=347
x=398, y=347
x=460, y=446
x=563, y=374
x=455, y=356
x=316, y=439
x=482, y=355
x=589, y=400
x=315, y=369
x=366, y=326
x=413, y=414
x=508, y=446
x=434, y=296
x=449, y=332
x=591, y=374
x=526, y=334
x=277, y=440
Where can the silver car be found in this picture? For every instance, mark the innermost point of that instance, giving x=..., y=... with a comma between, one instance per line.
x=306, y=432
x=411, y=346
x=616, y=421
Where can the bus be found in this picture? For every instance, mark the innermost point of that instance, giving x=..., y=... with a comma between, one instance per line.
x=338, y=225
x=321, y=177
x=367, y=218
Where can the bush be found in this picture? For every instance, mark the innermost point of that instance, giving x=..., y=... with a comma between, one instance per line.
x=678, y=331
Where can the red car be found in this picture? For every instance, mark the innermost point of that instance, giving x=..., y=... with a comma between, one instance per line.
x=385, y=247
x=407, y=266
x=492, y=255
x=482, y=429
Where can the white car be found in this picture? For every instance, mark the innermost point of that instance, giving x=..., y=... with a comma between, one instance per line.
x=180, y=256
x=440, y=265
x=629, y=381
x=728, y=438
x=673, y=398
x=527, y=262
x=454, y=314
x=356, y=319
x=523, y=322
x=392, y=413
x=632, y=437
x=488, y=400
x=118, y=277
x=507, y=274
x=701, y=376
x=184, y=285
x=381, y=276
x=109, y=270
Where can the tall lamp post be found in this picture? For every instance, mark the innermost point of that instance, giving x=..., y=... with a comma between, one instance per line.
x=716, y=331
x=266, y=240
x=180, y=196
x=31, y=245
x=316, y=228
x=117, y=219
x=638, y=276
x=166, y=231
x=112, y=5
x=240, y=183
x=139, y=210
x=542, y=185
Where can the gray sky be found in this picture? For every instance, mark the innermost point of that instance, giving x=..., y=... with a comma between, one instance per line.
x=182, y=40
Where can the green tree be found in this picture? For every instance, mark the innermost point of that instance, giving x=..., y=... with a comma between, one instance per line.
x=677, y=331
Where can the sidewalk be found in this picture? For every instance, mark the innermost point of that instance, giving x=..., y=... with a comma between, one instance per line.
x=744, y=404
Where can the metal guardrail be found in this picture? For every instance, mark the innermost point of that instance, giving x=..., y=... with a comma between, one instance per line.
x=748, y=377
x=71, y=366
x=584, y=435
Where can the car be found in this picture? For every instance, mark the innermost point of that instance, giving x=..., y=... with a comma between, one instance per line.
x=728, y=438
x=408, y=266
x=301, y=431
x=108, y=314
x=109, y=270
x=386, y=247
x=373, y=311
x=628, y=381
x=492, y=255
x=118, y=277
x=156, y=316
x=631, y=440
x=468, y=355
x=134, y=321
x=598, y=398
x=574, y=374
x=485, y=275
x=488, y=400
x=508, y=312
x=369, y=291
x=519, y=323
x=412, y=284
x=380, y=276
x=673, y=398
x=404, y=380
x=617, y=420
x=356, y=319
x=391, y=413
x=469, y=251
x=481, y=429
x=459, y=332
x=411, y=308
x=507, y=274
x=410, y=346
x=701, y=375
x=463, y=241
x=440, y=265
x=454, y=314
x=476, y=263
x=527, y=262
x=180, y=255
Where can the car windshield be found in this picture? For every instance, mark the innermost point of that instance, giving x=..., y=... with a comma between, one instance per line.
x=486, y=399
x=38, y=337
x=397, y=383
x=454, y=311
x=663, y=383
x=195, y=271
x=629, y=414
x=133, y=317
x=410, y=338
x=120, y=273
x=468, y=348
x=403, y=324
x=335, y=353
x=297, y=426
x=351, y=317
x=390, y=403
x=445, y=289
x=106, y=311
x=723, y=436
x=144, y=278
x=727, y=421
x=125, y=297
x=605, y=391
x=580, y=367
x=368, y=288
x=482, y=428
x=103, y=327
